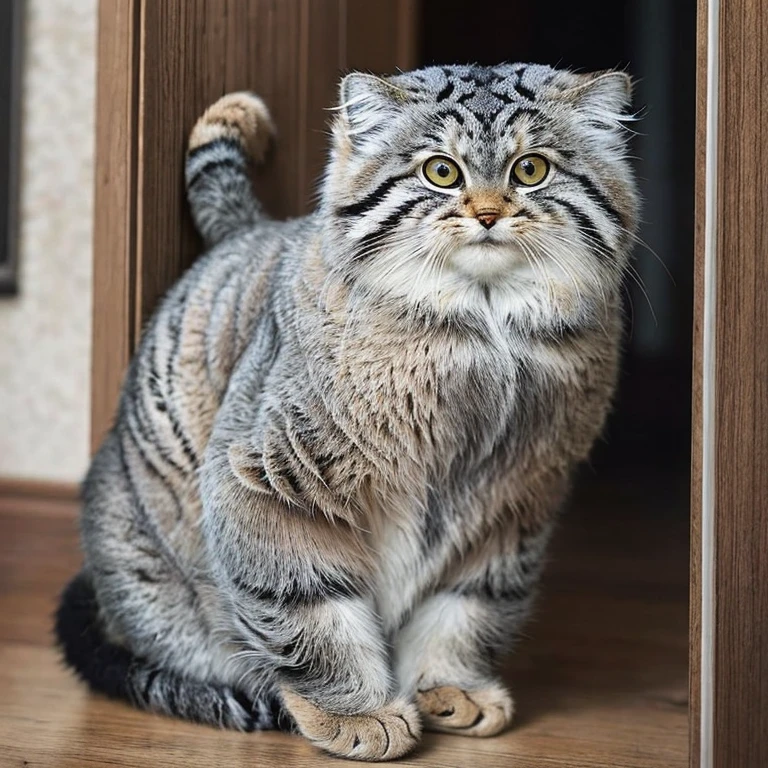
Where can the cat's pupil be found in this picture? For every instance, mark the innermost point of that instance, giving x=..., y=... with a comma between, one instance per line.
x=528, y=168
x=443, y=170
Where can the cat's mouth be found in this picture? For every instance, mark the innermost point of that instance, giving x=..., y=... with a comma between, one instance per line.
x=484, y=260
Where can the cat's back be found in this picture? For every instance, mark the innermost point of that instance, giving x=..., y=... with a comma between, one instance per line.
x=194, y=341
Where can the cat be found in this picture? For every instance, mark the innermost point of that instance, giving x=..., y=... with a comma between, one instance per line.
x=344, y=439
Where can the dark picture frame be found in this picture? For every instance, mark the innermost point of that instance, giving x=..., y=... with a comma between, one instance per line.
x=11, y=33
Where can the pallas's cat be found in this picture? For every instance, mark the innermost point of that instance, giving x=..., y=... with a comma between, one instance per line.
x=344, y=439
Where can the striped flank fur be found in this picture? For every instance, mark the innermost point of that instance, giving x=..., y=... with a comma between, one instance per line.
x=113, y=671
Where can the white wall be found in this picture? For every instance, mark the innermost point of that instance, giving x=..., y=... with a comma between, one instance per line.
x=45, y=332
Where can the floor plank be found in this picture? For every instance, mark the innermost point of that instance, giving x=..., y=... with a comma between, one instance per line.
x=600, y=678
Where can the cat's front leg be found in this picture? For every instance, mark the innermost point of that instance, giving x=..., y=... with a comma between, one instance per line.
x=445, y=655
x=298, y=583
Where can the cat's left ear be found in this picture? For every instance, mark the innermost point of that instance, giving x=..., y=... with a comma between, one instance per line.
x=607, y=93
x=367, y=104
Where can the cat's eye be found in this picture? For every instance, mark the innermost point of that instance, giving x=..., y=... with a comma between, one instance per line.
x=442, y=172
x=530, y=170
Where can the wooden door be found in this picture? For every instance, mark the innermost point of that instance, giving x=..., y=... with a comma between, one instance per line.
x=160, y=65
x=729, y=500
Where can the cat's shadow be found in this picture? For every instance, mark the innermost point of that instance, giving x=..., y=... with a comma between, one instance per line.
x=601, y=646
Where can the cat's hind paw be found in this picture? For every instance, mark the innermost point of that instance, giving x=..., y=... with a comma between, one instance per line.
x=385, y=734
x=480, y=712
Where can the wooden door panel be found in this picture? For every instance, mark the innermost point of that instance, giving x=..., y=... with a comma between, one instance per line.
x=160, y=65
x=729, y=505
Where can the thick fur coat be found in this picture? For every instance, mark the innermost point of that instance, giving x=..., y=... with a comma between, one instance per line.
x=344, y=439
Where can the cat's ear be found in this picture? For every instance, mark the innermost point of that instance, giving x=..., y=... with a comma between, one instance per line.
x=367, y=103
x=607, y=93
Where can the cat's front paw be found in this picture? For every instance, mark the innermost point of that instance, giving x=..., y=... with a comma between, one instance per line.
x=477, y=712
x=384, y=734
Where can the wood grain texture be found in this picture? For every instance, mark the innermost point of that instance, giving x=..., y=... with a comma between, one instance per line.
x=697, y=435
x=600, y=678
x=288, y=51
x=114, y=233
x=741, y=430
x=382, y=36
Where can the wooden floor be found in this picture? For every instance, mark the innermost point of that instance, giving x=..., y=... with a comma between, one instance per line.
x=600, y=679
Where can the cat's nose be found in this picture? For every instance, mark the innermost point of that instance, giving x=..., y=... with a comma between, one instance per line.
x=487, y=218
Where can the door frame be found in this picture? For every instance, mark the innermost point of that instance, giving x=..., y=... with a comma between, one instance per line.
x=729, y=492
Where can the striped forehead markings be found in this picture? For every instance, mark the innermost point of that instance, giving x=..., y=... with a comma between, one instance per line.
x=446, y=92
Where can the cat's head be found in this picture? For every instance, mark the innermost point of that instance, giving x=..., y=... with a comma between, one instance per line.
x=466, y=185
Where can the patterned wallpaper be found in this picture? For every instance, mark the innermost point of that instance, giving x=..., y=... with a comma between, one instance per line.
x=45, y=331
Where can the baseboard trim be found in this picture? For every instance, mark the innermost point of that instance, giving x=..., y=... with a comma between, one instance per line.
x=28, y=489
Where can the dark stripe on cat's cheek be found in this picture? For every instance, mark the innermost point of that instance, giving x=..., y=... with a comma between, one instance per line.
x=374, y=239
x=596, y=242
x=215, y=165
x=372, y=199
x=595, y=195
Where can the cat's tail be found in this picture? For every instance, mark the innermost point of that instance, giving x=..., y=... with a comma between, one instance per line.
x=233, y=132
x=113, y=670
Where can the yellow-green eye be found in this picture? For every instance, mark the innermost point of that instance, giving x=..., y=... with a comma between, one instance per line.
x=442, y=172
x=530, y=170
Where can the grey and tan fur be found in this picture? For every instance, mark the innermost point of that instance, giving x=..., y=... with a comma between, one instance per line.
x=344, y=439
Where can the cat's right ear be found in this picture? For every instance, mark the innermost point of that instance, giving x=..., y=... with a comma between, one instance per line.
x=367, y=104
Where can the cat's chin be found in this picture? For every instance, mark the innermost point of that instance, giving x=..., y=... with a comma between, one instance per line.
x=485, y=261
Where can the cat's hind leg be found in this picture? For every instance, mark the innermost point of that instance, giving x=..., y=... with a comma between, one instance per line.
x=301, y=601
x=138, y=623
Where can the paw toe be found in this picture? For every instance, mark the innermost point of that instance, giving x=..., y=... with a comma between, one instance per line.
x=482, y=712
x=385, y=734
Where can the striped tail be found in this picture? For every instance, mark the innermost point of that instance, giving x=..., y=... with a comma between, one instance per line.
x=235, y=130
x=114, y=671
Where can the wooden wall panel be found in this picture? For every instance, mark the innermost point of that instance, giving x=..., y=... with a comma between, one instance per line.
x=160, y=64
x=741, y=493
x=697, y=402
x=114, y=234
x=382, y=36
x=738, y=734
